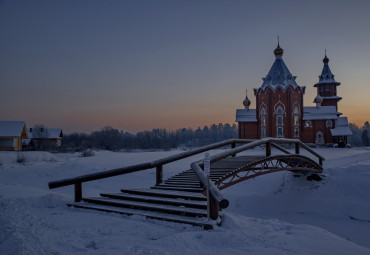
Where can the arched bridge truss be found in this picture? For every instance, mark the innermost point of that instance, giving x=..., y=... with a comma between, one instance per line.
x=268, y=165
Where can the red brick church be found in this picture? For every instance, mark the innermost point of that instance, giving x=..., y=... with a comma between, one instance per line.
x=280, y=112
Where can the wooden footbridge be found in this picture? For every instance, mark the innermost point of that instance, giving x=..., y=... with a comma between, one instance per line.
x=183, y=197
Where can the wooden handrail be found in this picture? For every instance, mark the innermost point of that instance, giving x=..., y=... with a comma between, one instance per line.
x=196, y=166
x=215, y=193
x=140, y=167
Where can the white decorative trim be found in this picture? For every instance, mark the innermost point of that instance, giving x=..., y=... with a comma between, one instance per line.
x=276, y=107
x=263, y=105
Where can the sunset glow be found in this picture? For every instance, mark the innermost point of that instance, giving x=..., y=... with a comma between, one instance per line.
x=138, y=65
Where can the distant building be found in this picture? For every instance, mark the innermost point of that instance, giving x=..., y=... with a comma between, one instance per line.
x=280, y=112
x=11, y=135
x=44, y=138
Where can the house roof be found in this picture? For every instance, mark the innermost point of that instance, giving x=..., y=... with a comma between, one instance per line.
x=320, y=113
x=52, y=133
x=11, y=128
x=243, y=115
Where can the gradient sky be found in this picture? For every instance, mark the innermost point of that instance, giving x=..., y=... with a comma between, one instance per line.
x=138, y=65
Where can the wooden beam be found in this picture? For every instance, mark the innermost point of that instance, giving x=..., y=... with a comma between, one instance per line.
x=159, y=175
x=78, y=192
x=268, y=149
x=296, y=148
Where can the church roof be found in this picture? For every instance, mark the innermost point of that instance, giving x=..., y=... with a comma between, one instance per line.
x=341, y=127
x=279, y=74
x=243, y=115
x=326, y=75
x=320, y=113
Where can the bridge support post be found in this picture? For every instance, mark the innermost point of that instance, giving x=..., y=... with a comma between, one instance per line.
x=159, y=175
x=233, y=145
x=214, y=208
x=78, y=192
x=268, y=149
x=297, y=148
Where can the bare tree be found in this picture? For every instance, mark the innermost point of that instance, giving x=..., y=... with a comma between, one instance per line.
x=39, y=136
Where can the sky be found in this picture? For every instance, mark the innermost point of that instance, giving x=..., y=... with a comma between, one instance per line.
x=138, y=65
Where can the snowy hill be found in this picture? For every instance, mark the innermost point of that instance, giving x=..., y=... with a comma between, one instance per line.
x=272, y=214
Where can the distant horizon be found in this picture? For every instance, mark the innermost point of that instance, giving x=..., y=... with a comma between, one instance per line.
x=141, y=65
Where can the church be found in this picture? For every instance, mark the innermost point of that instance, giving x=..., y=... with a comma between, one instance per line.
x=280, y=112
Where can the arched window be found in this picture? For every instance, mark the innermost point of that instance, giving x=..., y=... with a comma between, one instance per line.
x=319, y=138
x=279, y=122
x=308, y=124
x=296, y=122
x=329, y=123
x=263, y=122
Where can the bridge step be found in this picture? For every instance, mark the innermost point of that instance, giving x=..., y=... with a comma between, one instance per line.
x=167, y=193
x=195, y=212
x=158, y=200
x=160, y=186
x=202, y=222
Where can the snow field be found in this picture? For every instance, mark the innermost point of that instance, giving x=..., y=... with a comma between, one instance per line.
x=271, y=214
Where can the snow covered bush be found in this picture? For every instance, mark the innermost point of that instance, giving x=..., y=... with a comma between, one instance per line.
x=21, y=158
x=88, y=153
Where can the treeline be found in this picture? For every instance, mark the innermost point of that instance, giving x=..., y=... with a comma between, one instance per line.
x=109, y=138
x=360, y=135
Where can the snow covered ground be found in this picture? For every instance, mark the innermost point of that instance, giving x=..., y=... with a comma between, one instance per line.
x=272, y=214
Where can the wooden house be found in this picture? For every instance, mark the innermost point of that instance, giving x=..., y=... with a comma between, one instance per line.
x=11, y=135
x=44, y=138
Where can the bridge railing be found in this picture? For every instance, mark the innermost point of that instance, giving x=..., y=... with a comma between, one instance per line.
x=217, y=200
x=158, y=164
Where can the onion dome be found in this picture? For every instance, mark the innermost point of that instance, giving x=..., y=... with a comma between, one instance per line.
x=278, y=51
x=326, y=59
x=318, y=99
x=246, y=101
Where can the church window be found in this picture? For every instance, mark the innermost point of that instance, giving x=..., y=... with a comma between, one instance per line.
x=280, y=132
x=296, y=132
x=263, y=122
x=327, y=88
x=279, y=124
x=329, y=123
x=296, y=122
x=319, y=135
x=279, y=120
x=308, y=123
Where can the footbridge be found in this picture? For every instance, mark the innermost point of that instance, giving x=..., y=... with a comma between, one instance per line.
x=192, y=196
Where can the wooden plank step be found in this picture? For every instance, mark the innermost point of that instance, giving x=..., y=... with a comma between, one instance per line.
x=158, y=200
x=187, y=181
x=183, y=179
x=166, y=193
x=202, y=221
x=182, y=182
x=187, y=175
x=148, y=206
x=183, y=185
x=178, y=189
